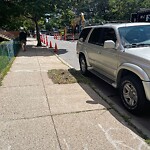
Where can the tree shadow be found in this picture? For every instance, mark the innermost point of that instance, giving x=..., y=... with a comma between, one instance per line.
x=36, y=51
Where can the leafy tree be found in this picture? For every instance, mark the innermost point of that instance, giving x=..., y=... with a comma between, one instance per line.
x=39, y=9
x=33, y=9
x=122, y=9
x=10, y=18
x=145, y=4
x=61, y=12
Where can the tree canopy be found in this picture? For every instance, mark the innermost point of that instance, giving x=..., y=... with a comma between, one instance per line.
x=16, y=13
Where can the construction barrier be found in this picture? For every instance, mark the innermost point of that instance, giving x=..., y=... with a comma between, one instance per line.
x=58, y=36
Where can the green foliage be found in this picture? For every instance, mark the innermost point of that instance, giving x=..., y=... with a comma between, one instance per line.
x=17, y=13
x=147, y=141
x=10, y=18
x=66, y=17
x=28, y=24
x=145, y=4
x=121, y=10
x=3, y=62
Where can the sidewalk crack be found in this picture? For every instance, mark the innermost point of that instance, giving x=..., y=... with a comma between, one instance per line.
x=49, y=104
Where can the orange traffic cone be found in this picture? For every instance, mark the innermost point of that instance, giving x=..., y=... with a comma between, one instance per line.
x=50, y=45
x=56, y=48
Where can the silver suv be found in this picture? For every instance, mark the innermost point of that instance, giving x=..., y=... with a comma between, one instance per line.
x=120, y=55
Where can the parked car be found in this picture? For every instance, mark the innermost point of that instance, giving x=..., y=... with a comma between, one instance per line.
x=120, y=55
x=44, y=32
x=54, y=31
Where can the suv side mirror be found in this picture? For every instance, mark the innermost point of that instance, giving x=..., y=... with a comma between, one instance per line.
x=109, y=44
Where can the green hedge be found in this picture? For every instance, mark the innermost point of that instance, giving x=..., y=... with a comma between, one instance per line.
x=16, y=46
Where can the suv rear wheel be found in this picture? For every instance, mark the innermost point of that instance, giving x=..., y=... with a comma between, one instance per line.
x=132, y=94
x=83, y=65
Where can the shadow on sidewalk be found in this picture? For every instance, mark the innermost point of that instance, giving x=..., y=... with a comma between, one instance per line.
x=100, y=86
x=61, y=51
x=40, y=51
x=36, y=51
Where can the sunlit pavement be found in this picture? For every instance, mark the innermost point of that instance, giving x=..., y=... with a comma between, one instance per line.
x=37, y=114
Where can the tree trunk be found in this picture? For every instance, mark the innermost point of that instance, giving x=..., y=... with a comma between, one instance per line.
x=37, y=33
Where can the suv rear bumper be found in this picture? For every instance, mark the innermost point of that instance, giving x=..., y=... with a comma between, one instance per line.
x=147, y=89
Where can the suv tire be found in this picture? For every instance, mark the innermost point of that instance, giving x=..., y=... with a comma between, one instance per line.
x=83, y=65
x=132, y=94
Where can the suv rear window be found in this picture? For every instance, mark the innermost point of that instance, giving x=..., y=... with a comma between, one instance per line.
x=84, y=33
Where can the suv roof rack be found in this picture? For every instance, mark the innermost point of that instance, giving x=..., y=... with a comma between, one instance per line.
x=117, y=21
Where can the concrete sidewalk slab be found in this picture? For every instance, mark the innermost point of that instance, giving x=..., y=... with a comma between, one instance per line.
x=25, y=61
x=24, y=67
x=48, y=60
x=29, y=134
x=52, y=62
x=45, y=78
x=72, y=98
x=23, y=102
x=22, y=78
x=53, y=66
x=96, y=130
x=27, y=53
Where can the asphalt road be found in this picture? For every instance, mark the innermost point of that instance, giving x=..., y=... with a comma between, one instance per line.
x=67, y=52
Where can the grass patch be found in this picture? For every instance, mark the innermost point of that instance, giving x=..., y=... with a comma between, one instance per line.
x=61, y=76
x=148, y=141
x=5, y=70
x=4, y=61
x=126, y=118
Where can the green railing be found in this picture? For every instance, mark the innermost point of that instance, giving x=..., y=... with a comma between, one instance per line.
x=8, y=50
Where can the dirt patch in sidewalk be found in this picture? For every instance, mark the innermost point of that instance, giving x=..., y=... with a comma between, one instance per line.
x=61, y=76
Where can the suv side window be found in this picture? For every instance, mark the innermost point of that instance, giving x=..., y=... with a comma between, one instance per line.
x=109, y=34
x=84, y=33
x=95, y=36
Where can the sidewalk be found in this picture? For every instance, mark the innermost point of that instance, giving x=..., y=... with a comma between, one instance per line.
x=36, y=114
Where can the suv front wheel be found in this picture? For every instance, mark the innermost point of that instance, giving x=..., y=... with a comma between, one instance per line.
x=132, y=94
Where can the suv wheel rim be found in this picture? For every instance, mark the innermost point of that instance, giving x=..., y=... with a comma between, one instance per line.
x=130, y=95
x=83, y=65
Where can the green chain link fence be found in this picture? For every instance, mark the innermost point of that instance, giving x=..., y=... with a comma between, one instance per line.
x=8, y=50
